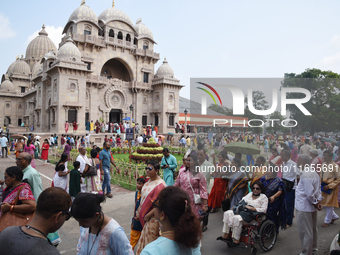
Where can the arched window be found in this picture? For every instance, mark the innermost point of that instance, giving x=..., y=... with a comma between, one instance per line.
x=128, y=38
x=145, y=45
x=100, y=32
x=87, y=30
x=135, y=41
x=111, y=33
x=120, y=35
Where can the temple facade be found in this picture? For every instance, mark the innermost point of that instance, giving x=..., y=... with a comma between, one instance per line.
x=104, y=65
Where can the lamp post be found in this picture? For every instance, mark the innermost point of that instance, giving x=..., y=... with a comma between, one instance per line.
x=185, y=120
x=131, y=110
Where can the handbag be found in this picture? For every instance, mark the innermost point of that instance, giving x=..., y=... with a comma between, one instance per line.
x=92, y=171
x=197, y=197
x=10, y=219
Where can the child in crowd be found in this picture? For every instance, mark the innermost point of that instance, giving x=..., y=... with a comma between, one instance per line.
x=136, y=226
x=74, y=187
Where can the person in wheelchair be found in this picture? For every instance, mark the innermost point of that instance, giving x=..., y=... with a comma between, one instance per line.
x=256, y=201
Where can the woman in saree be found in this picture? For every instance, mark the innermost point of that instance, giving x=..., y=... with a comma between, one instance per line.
x=146, y=212
x=259, y=171
x=220, y=182
x=93, y=184
x=237, y=185
x=26, y=202
x=102, y=127
x=197, y=184
x=37, y=148
x=277, y=160
x=275, y=191
x=29, y=148
x=66, y=126
x=97, y=126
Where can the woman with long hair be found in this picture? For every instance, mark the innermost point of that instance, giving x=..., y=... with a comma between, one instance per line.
x=26, y=203
x=29, y=148
x=93, y=184
x=146, y=212
x=60, y=176
x=194, y=183
x=99, y=233
x=67, y=151
x=180, y=229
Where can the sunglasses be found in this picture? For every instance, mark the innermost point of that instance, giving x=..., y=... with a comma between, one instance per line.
x=148, y=168
x=154, y=204
x=68, y=214
x=256, y=188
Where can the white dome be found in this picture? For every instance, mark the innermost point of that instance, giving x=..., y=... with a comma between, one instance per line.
x=39, y=46
x=112, y=14
x=142, y=30
x=69, y=52
x=165, y=70
x=19, y=67
x=83, y=13
x=36, y=68
x=7, y=86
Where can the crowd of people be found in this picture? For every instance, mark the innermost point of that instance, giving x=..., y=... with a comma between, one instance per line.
x=293, y=178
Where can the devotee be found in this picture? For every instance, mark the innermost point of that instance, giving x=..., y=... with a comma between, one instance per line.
x=168, y=164
x=52, y=211
x=290, y=172
x=146, y=212
x=255, y=201
x=307, y=200
x=44, y=151
x=60, y=176
x=330, y=180
x=93, y=183
x=259, y=170
x=179, y=228
x=316, y=162
x=305, y=148
x=275, y=191
x=98, y=227
x=82, y=158
x=23, y=161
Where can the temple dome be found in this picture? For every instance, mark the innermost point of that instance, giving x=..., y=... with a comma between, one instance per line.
x=83, y=13
x=69, y=52
x=112, y=14
x=19, y=67
x=7, y=86
x=142, y=30
x=36, y=68
x=39, y=46
x=165, y=70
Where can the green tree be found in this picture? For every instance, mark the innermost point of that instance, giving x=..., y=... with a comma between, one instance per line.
x=275, y=126
x=221, y=109
x=324, y=104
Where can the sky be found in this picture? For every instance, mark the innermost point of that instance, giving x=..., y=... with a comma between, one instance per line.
x=201, y=39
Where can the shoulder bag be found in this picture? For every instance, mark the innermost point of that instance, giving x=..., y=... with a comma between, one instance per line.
x=197, y=197
x=10, y=219
x=92, y=171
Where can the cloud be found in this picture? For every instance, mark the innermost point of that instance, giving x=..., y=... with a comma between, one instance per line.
x=5, y=29
x=334, y=59
x=54, y=33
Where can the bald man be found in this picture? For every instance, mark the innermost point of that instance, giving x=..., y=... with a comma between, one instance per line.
x=23, y=161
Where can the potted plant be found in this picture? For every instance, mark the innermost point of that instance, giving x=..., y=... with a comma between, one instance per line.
x=119, y=150
x=113, y=150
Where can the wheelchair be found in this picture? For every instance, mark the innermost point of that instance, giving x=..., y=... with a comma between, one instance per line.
x=260, y=231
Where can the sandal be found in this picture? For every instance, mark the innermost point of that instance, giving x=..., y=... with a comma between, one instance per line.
x=229, y=240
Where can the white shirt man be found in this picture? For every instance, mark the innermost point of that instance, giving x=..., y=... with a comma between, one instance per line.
x=87, y=140
x=82, y=158
x=305, y=149
x=307, y=200
x=51, y=140
x=140, y=139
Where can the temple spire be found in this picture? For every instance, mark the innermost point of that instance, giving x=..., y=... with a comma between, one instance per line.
x=113, y=3
x=82, y=2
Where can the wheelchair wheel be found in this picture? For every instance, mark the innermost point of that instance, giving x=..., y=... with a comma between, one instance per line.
x=267, y=235
x=253, y=250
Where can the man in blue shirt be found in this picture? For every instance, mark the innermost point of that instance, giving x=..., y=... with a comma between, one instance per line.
x=105, y=168
x=169, y=164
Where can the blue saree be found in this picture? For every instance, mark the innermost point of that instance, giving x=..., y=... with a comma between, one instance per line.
x=277, y=211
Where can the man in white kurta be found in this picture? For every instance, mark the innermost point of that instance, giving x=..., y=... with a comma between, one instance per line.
x=307, y=199
x=82, y=158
